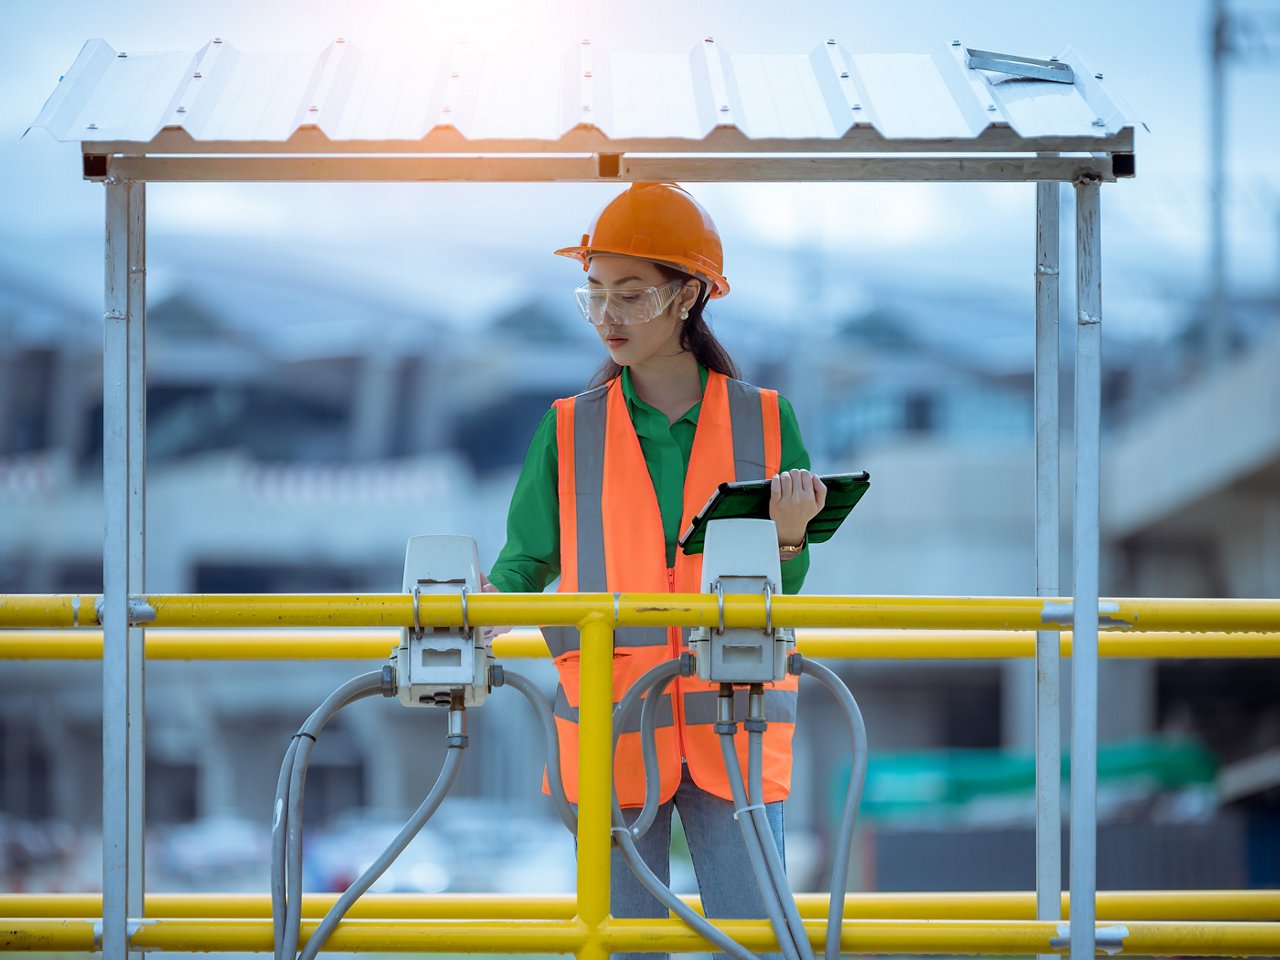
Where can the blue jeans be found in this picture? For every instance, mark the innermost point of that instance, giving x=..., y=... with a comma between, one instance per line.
x=725, y=878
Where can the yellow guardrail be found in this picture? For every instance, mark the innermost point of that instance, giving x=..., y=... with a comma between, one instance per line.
x=1216, y=905
x=883, y=627
x=353, y=643
x=1007, y=937
x=649, y=610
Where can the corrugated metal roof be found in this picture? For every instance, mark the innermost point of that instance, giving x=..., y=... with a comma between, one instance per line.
x=222, y=94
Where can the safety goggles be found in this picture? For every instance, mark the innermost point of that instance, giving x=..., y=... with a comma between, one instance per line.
x=624, y=305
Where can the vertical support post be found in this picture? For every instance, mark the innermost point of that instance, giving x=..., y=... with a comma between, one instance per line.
x=137, y=772
x=595, y=781
x=1218, y=341
x=123, y=406
x=1085, y=546
x=1048, y=506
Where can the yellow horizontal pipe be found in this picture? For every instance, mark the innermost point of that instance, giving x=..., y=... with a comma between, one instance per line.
x=655, y=609
x=1007, y=937
x=1111, y=905
x=375, y=643
x=469, y=936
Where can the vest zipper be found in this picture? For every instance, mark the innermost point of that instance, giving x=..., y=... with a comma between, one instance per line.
x=674, y=635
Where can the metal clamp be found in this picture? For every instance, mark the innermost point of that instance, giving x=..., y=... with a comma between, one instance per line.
x=768, y=607
x=719, y=587
x=417, y=619
x=1109, y=939
x=138, y=609
x=466, y=626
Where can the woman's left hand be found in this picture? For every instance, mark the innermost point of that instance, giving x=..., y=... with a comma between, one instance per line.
x=797, y=497
x=491, y=632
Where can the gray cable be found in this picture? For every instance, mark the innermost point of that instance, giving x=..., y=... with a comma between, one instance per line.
x=666, y=670
x=649, y=751
x=750, y=836
x=279, y=824
x=853, y=799
x=663, y=894
x=777, y=873
x=625, y=839
x=293, y=849
x=357, y=688
x=452, y=760
x=552, y=739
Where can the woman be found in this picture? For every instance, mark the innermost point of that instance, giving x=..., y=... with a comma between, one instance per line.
x=611, y=479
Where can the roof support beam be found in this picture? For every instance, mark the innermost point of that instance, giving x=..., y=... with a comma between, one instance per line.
x=863, y=138
x=542, y=169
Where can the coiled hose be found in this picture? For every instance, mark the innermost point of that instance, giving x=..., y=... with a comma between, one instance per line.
x=286, y=860
x=779, y=901
x=755, y=851
x=624, y=836
x=853, y=794
x=286, y=823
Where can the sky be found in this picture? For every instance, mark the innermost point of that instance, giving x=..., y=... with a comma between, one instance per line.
x=463, y=250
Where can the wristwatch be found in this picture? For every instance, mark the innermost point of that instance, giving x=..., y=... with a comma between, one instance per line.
x=786, y=551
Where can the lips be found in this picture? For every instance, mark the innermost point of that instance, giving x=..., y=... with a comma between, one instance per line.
x=615, y=341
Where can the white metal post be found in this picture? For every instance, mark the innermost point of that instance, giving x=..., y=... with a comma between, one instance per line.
x=1217, y=344
x=123, y=454
x=1048, y=501
x=1084, y=657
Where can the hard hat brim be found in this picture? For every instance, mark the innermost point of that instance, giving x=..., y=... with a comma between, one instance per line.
x=719, y=286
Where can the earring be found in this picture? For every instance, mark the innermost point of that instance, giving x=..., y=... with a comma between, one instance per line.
x=684, y=314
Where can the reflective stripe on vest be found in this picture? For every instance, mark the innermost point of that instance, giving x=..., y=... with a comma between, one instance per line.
x=612, y=540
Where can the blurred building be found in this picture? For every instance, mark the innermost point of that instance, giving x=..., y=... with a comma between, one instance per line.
x=299, y=433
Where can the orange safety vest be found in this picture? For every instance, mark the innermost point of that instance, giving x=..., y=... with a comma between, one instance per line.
x=612, y=541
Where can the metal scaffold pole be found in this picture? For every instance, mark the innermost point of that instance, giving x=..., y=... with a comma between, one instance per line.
x=123, y=560
x=1048, y=500
x=1084, y=674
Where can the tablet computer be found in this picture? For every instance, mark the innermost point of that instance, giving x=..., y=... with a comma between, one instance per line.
x=750, y=499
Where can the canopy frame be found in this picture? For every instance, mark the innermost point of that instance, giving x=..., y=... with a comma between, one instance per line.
x=584, y=154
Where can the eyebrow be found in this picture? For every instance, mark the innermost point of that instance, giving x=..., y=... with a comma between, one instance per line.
x=622, y=280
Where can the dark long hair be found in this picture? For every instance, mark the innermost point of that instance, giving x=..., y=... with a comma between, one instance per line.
x=695, y=336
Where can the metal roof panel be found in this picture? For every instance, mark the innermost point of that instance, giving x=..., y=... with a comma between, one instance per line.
x=651, y=95
x=110, y=94
x=221, y=94
x=781, y=97
x=913, y=101
x=517, y=95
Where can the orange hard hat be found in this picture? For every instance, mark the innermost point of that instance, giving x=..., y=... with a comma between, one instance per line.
x=659, y=222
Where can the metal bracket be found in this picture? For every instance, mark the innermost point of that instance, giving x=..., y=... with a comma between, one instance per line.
x=1110, y=940
x=768, y=608
x=417, y=615
x=1028, y=68
x=1063, y=614
x=132, y=926
x=720, y=603
x=138, y=609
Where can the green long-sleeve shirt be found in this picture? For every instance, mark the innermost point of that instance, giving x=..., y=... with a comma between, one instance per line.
x=531, y=557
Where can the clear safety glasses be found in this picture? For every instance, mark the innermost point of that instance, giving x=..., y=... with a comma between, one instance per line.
x=624, y=305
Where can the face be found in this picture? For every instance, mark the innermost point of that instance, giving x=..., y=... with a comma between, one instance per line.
x=637, y=342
